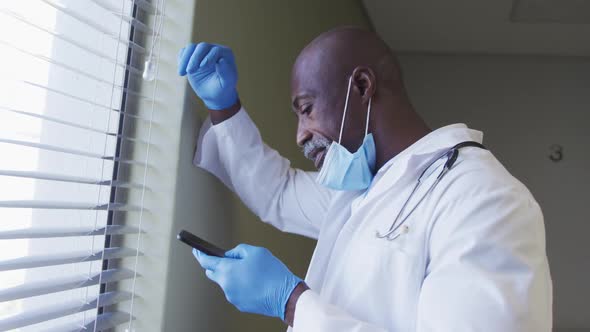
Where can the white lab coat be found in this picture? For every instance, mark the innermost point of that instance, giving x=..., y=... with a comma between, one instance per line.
x=474, y=258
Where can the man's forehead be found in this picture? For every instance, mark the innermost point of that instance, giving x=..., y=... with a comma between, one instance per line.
x=306, y=82
x=303, y=75
x=303, y=84
x=309, y=62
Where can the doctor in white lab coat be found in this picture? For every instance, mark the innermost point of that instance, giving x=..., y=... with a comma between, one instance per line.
x=466, y=253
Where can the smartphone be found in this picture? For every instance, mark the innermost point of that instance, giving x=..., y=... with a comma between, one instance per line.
x=200, y=244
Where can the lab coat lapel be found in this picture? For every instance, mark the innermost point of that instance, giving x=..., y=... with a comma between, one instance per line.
x=409, y=164
x=401, y=173
x=337, y=217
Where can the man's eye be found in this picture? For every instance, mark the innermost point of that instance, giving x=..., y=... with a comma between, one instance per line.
x=306, y=110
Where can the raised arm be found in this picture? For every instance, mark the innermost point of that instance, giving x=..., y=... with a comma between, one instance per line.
x=230, y=147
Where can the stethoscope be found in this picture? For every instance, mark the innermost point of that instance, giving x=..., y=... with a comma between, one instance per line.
x=452, y=154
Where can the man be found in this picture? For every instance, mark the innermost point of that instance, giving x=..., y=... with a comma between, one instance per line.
x=417, y=230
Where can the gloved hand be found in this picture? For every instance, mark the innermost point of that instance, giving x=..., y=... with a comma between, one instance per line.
x=212, y=73
x=252, y=279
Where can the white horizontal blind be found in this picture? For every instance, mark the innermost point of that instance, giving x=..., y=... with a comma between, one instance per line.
x=70, y=88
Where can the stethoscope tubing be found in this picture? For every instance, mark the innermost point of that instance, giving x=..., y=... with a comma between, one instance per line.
x=452, y=154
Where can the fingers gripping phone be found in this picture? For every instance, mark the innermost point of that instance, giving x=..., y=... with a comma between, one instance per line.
x=200, y=244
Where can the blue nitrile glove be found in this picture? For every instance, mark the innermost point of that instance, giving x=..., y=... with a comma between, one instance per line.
x=212, y=73
x=252, y=279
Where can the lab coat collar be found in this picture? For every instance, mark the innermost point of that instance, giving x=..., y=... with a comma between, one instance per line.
x=410, y=161
x=437, y=140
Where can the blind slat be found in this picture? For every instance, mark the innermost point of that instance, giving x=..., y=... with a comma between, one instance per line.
x=95, y=26
x=71, y=124
x=146, y=6
x=30, y=262
x=38, y=232
x=69, y=151
x=108, y=320
x=131, y=20
x=67, y=178
x=60, y=310
x=48, y=176
x=56, y=120
x=72, y=69
x=54, y=148
x=31, y=289
x=104, y=321
x=63, y=93
x=141, y=4
x=57, y=205
x=137, y=24
x=71, y=96
x=73, y=42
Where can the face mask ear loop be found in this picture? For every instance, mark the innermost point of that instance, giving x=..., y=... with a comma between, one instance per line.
x=368, y=117
x=345, y=107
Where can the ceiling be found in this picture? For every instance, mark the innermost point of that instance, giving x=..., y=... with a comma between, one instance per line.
x=539, y=27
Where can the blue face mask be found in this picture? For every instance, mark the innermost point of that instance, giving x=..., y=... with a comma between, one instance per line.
x=343, y=170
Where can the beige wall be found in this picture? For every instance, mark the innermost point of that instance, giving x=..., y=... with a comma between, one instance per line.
x=266, y=36
x=525, y=104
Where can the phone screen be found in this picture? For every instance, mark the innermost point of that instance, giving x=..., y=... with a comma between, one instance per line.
x=200, y=244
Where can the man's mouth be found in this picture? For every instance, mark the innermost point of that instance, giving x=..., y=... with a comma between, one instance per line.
x=318, y=157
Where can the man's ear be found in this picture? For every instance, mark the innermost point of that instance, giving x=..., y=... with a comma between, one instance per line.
x=365, y=82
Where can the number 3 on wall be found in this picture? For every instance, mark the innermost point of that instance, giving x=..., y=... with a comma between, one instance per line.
x=556, y=154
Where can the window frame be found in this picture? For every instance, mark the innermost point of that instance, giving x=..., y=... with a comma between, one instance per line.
x=118, y=152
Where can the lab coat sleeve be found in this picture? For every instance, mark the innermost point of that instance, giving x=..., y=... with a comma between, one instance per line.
x=288, y=198
x=488, y=269
x=312, y=314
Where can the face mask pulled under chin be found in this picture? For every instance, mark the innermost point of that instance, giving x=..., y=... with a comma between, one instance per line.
x=343, y=170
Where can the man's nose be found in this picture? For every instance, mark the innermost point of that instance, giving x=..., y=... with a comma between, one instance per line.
x=303, y=135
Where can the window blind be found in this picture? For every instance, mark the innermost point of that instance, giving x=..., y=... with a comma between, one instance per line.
x=72, y=101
